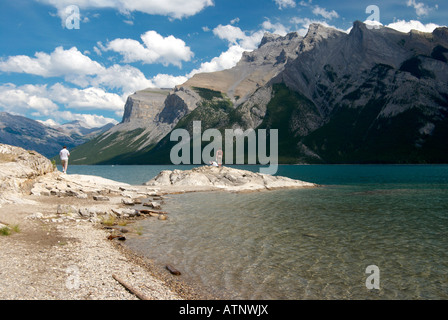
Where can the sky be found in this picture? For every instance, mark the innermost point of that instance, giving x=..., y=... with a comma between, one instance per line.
x=66, y=60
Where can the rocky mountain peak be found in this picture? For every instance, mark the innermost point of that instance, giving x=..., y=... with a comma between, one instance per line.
x=144, y=105
x=268, y=37
x=441, y=34
x=316, y=34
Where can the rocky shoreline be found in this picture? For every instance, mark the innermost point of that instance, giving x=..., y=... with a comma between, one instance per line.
x=64, y=234
x=58, y=236
x=64, y=239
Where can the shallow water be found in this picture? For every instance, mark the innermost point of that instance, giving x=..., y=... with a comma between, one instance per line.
x=312, y=243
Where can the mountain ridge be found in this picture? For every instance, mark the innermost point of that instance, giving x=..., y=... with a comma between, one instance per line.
x=30, y=134
x=369, y=96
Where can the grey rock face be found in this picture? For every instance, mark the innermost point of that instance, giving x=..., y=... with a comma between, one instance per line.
x=144, y=105
x=179, y=103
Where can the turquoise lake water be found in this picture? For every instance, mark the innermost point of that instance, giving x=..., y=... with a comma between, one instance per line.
x=310, y=243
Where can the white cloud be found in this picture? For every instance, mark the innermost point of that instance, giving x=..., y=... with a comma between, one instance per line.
x=59, y=63
x=154, y=49
x=324, y=13
x=168, y=81
x=225, y=60
x=78, y=69
x=235, y=36
x=91, y=120
x=306, y=4
x=88, y=120
x=318, y=11
x=276, y=28
x=49, y=123
x=420, y=8
x=125, y=78
x=173, y=8
x=89, y=98
x=20, y=100
x=229, y=33
x=282, y=4
x=407, y=26
x=42, y=101
x=234, y=21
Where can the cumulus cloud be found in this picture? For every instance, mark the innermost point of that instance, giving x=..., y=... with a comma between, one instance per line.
x=236, y=36
x=168, y=81
x=276, y=28
x=77, y=68
x=225, y=60
x=154, y=49
x=173, y=8
x=318, y=11
x=42, y=101
x=91, y=98
x=282, y=4
x=59, y=63
x=20, y=100
x=420, y=8
x=91, y=120
x=407, y=26
x=124, y=78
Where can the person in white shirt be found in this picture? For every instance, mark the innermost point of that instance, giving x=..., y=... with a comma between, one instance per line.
x=64, y=154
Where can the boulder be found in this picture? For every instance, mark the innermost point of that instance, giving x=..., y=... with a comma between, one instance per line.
x=66, y=209
x=153, y=204
x=101, y=198
x=127, y=202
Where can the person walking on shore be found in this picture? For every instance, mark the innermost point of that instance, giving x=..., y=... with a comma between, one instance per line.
x=64, y=154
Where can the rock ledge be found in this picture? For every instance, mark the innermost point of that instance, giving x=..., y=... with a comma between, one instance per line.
x=222, y=178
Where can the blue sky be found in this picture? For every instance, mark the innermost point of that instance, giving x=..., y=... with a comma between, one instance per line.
x=65, y=60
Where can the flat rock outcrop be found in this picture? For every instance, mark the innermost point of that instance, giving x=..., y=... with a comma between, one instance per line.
x=221, y=178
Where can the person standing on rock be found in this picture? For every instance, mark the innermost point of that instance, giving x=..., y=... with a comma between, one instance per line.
x=64, y=154
x=219, y=155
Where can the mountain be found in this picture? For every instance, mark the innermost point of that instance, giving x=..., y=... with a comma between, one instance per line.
x=82, y=129
x=374, y=95
x=140, y=128
x=33, y=135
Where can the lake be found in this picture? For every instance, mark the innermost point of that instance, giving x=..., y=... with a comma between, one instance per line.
x=310, y=243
